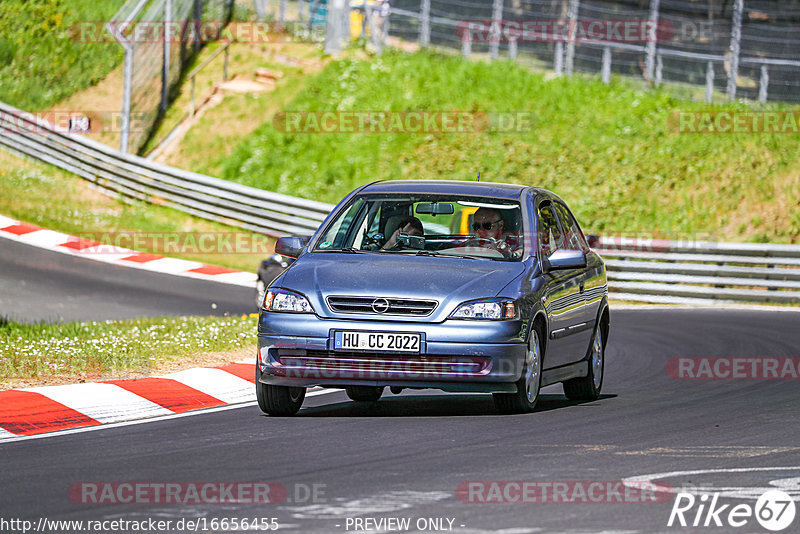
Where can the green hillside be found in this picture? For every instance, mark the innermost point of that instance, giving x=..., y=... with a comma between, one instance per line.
x=41, y=59
x=607, y=149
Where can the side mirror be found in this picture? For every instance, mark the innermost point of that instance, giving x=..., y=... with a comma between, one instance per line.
x=563, y=259
x=290, y=246
x=593, y=240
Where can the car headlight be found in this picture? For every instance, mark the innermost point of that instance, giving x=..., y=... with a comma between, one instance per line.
x=486, y=309
x=284, y=300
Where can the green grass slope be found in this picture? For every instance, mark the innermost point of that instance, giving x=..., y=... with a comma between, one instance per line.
x=606, y=149
x=41, y=61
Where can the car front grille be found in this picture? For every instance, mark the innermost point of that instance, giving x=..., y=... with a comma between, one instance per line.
x=348, y=364
x=381, y=306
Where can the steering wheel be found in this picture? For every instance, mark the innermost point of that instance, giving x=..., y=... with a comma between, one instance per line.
x=486, y=242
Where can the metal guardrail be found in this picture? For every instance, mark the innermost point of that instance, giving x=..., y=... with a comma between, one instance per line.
x=652, y=270
x=133, y=177
x=645, y=270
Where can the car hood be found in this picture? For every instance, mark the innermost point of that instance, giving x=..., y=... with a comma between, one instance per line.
x=449, y=281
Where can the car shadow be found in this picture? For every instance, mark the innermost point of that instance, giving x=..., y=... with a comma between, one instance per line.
x=434, y=406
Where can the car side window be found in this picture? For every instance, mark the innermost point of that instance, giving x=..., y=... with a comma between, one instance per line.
x=574, y=238
x=549, y=234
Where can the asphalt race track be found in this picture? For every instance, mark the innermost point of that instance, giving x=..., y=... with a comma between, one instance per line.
x=405, y=456
x=40, y=285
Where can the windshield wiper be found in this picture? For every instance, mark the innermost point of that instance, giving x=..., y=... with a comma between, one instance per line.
x=435, y=253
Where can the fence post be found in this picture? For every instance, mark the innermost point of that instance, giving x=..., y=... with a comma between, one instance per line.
x=167, y=52
x=282, y=12
x=127, y=74
x=763, y=85
x=425, y=26
x=333, y=26
x=466, y=48
x=606, y=70
x=710, y=81
x=497, y=28
x=261, y=9
x=651, y=40
x=198, y=20
x=574, y=6
x=736, y=37
x=558, y=59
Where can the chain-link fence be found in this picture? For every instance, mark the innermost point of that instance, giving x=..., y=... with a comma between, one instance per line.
x=159, y=37
x=712, y=48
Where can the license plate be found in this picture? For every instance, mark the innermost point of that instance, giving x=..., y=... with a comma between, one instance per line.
x=376, y=341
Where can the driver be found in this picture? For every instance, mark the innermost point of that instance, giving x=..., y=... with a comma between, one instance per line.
x=488, y=224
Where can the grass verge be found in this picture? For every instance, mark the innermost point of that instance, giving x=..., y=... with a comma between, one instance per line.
x=45, y=354
x=45, y=196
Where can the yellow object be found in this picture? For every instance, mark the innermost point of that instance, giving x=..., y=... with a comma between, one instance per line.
x=358, y=26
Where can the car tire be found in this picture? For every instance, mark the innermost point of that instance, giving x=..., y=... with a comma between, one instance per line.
x=261, y=291
x=278, y=400
x=528, y=385
x=588, y=387
x=364, y=393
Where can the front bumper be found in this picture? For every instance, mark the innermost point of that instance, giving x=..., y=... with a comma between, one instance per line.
x=455, y=355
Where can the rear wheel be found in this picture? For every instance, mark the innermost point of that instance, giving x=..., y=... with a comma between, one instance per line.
x=278, y=400
x=588, y=387
x=364, y=393
x=528, y=385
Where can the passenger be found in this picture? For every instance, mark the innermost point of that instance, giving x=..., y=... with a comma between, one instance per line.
x=410, y=226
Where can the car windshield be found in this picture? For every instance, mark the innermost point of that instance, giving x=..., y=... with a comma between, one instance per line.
x=427, y=225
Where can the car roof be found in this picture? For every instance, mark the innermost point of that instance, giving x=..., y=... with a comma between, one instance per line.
x=488, y=189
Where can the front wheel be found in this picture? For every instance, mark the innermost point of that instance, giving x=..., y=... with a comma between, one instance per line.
x=364, y=393
x=588, y=387
x=528, y=385
x=279, y=400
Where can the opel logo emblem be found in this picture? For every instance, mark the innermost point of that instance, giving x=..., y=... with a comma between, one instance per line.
x=380, y=305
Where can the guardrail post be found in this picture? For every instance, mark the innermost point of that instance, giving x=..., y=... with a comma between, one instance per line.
x=466, y=48
x=736, y=37
x=425, y=24
x=763, y=85
x=606, y=69
x=574, y=6
x=652, y=21
x=496, y=32
x=710, y=81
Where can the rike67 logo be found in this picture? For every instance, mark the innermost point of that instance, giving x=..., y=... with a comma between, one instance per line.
x=774, y=510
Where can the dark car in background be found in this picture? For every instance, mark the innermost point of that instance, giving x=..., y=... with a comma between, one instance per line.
x=369, y=304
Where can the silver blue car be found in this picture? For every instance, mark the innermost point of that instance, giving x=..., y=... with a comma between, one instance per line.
x=457, y=286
